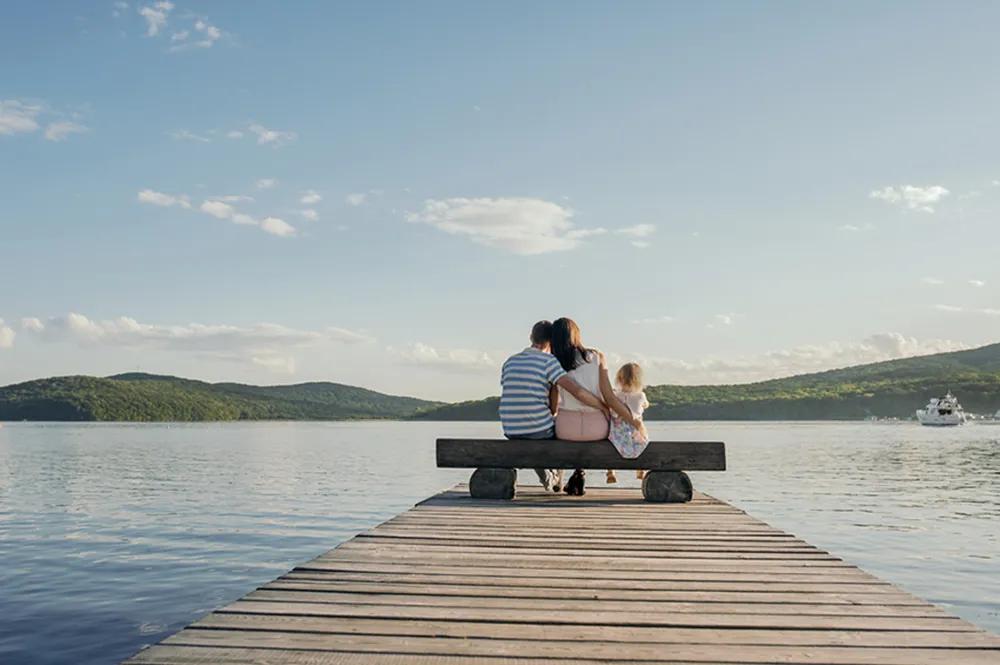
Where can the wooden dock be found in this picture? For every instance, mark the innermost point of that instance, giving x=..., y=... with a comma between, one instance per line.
x=598, y=579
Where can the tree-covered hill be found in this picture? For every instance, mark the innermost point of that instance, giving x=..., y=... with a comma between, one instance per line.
x=888, y=389
x=147, y=397
x=895, y=388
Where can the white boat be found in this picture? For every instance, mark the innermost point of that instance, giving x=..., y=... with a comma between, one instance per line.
x=942, y=412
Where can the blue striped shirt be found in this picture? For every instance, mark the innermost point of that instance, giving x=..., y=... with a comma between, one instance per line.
x=524, y=399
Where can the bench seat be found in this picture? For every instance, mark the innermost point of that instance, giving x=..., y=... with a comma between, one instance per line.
x=496, y=461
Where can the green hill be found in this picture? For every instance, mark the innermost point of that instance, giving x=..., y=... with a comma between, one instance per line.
x=895, y=388
x=888, y=389
x=148, y=397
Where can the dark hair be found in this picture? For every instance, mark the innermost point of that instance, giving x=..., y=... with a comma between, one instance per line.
x=541, y=333
x=566, y=344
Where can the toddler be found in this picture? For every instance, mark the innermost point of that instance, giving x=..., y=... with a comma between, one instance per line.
x=628, y=440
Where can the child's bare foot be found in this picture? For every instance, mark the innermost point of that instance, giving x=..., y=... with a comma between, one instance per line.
x=612, y=478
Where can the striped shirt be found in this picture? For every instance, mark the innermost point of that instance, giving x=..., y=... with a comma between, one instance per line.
x=524, y=399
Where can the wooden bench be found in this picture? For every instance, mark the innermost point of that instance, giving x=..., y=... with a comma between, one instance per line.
x=496, y=462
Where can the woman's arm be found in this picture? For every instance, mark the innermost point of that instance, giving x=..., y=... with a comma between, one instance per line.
x=613, y=402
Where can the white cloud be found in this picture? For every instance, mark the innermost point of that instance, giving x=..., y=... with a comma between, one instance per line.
x=922, y=199
x=164, y=200
x=854, y=228
x=234, y=198
x=241, y=218
x=277, y=227
x=653, y=320
x=978, y=283
x=204, y=36
x=275, y=363
x=261, y=339
x=356, y=199
x=641, y=244
x=986, y=311
x=58, y=131
x=346, y=336
x=188, y=135
x=271, y=137
x=218, y=209
x=519, y=225
x=725, y=319
x=156, y=16
x=637, y=231
x=309, y=214
x=7, y=336
x=266, y=183
x=456, y=360
x=797, y=360
x=932, y=281
x=234, y=134
x=17, y=117
x=31, y=324
x=119, y=7
x=310, y=197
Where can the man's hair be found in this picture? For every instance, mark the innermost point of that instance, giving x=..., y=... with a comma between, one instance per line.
x=541, y=333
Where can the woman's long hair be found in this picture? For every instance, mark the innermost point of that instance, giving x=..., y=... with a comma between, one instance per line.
x=566, y=344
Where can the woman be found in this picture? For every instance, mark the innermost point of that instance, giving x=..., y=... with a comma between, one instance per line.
x=576, y=421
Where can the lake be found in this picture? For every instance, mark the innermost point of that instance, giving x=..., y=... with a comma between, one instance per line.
x=114, y=536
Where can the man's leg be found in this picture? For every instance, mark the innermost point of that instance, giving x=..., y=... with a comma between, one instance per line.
x=545, y=476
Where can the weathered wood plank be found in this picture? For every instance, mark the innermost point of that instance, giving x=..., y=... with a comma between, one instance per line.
x=605, y=605
x=608, y=634
x=524, y=454
x=600, y=618
x=611, y=593
x=473, y=647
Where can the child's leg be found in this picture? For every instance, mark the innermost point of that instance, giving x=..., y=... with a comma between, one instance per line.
x=611, y=477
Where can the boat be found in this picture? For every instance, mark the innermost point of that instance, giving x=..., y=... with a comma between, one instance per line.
x=942, y=412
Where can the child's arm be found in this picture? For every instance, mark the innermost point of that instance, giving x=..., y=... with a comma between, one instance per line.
x=554, y=399
x=614, y=403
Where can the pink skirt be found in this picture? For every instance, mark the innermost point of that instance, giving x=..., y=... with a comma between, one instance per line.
x=581, y=425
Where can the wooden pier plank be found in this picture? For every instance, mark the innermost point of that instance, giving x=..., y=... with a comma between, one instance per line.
x=598, y=579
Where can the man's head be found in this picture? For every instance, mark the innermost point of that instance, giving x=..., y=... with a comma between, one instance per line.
x=541, y=335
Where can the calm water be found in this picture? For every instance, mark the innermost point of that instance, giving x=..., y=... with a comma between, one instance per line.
x=113, y=536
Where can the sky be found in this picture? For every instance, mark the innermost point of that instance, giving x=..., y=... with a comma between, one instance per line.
x=390, y=194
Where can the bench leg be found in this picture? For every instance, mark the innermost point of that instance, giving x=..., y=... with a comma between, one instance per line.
x=667, y=487
x=493, y=483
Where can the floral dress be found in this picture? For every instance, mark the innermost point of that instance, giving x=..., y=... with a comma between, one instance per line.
x=627, y=440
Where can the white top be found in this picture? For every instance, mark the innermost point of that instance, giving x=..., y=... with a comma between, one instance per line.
x=588, y=375
x=637, y=402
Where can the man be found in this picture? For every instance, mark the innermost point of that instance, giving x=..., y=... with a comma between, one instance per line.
x=527, y=379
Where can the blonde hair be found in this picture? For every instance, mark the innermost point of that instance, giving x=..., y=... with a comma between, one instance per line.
x=629, y=377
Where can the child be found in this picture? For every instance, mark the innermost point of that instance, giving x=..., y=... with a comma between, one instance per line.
x=629, y=441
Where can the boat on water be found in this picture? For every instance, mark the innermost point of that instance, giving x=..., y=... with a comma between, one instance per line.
x=942, y=412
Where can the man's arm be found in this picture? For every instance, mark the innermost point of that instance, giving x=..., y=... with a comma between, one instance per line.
x=554, y=400
x=582, y=394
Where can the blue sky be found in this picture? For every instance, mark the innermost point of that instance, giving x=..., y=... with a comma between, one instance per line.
x=389, y=194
